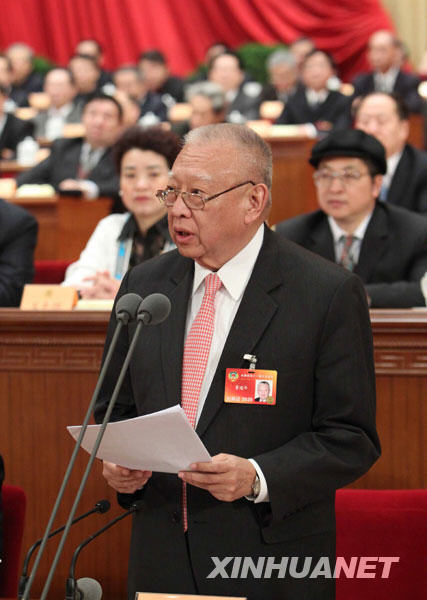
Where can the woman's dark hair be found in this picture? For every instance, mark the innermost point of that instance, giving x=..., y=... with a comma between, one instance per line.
x=156, y=139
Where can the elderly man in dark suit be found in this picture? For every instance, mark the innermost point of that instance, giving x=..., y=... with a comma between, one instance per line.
x=18, y=238
x=384, y=54
x=236, y=287
x=383, y=244
x=84, y=165
x=12, y=129
x=385, y=116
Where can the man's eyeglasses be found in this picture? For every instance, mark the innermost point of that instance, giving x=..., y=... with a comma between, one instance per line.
x=192, y=200
x=324, y=177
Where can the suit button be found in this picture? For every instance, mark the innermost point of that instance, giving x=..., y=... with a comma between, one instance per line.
x=176, y=517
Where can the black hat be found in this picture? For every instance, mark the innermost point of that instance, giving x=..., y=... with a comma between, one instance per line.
x=350, y=142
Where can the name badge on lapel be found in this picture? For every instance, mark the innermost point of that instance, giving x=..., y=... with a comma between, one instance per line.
x=250, y=386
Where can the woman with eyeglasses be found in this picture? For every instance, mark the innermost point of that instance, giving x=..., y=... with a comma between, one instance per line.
x=120, y=241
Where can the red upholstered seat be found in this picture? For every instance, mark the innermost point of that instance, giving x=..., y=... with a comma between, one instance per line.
x=13, y=503
x=386, y=523
x=50, y=271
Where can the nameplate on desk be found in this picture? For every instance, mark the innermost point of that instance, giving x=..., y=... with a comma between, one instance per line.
x=48, y=297
x=150, y=596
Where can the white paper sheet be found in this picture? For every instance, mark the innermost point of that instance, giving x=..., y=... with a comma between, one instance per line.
x=163, y=441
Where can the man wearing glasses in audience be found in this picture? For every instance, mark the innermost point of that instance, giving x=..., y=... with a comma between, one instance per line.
x=238, y=290
x=384, y=244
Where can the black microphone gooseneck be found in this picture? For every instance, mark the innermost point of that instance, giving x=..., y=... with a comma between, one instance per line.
x=126, y=310
x=150, y=311
x=72, y=589
x=100, y=507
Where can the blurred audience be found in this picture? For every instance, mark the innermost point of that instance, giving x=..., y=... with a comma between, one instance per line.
x=86, y=74
x=208, y=104
x=384, y=244
x=158, y=79
x=314, y=102
x=385, y=116
x=24, y=79
x=12, y=129
x=385, y=59
x=300, y=48
x=243, y=97
x=84, y=165
x=61, y=90
x=93, y=48
x=282, y=74
x=143, y=158
x=128, y=79
x=18, y=238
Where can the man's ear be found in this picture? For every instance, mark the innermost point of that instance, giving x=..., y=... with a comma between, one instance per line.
x=257, y=202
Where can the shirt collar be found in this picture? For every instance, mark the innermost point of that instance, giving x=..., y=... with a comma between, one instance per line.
x=63, y=111
x=236, y=272
x=358, y=233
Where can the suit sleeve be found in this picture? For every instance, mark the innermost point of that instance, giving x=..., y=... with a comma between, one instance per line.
x=343, y=442
x=16, y=260
x=41, y=173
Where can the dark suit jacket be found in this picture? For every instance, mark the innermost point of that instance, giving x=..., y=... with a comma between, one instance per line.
x=297, y=316
x=40, y=120
x=18, y=237
x=14, y=131
x=63, y=163
x=336, y=109
x=247, y=104
x=393, y=255
x=406, y=85
x=408, y=186
x=153, y=103
x=173, y=86
x=20, y=93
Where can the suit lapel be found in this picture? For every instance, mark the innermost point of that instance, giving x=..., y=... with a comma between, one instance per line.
x=375, y=243
x=173, y=329
x=255, y=312
x=398, y=190
x=321, y=241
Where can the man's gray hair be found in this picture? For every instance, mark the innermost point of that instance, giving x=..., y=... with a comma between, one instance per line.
x=279, y=57
x=210, y=90
x=22, y=46
x=253, y=151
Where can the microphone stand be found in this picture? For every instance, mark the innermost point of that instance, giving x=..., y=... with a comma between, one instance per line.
x=92, y=457
x=123, y=319
x=71, y=588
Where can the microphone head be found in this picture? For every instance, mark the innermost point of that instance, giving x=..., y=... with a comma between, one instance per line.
x=88, y=589
x=127, y=307
x=154, y=309
x=103, y=506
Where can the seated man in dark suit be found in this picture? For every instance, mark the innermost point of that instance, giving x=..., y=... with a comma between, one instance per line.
x=60, y=87
x=313, y=102
x=24, y=79
x=84, y=164
x=12, y=129
x=156, y=74
x=383, y=244
x=128, y=79
x=243, y=97
x=384, y=55
x=86, y=74
x=18, y=238
x=385, y=116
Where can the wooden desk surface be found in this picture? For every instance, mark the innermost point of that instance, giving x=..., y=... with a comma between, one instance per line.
x=49, y=363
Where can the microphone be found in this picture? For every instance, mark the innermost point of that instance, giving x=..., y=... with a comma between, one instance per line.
x=154, y=314
x=154, y=309
x=126, y=311
x=73, y=588
x=87, y=589
x=102, y=506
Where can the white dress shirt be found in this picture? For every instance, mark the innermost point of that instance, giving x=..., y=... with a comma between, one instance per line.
x=384, y=82
x=358, y=234
x=234, y=275
x=316, y=97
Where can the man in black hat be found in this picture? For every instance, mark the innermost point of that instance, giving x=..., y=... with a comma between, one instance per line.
x=385, y=245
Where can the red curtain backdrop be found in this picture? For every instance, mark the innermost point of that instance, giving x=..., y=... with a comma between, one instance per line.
x=183, y=29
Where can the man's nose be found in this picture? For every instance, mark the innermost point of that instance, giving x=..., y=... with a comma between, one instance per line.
x=179, y=208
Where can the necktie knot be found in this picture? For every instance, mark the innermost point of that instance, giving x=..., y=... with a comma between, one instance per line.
x=212, y=284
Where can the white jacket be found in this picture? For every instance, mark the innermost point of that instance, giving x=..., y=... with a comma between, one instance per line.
x=104, y=252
